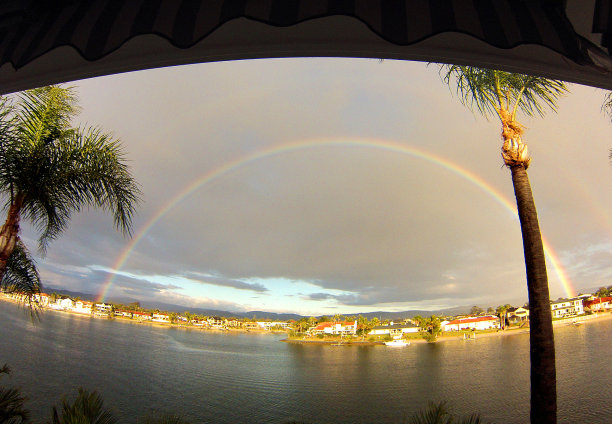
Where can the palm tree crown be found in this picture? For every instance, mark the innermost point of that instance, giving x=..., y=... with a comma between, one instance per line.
x=49, y=169
x=503, y=94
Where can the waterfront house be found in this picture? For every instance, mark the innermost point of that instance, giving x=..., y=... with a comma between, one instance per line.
x=234, y=323
x=598, y=304
x=66, y=304
x=517, y=315
x=102, y=310
x=249, y=325
x=123, y=313
x=217, y=322
x=160, y=318
x=394, y=329
x=563, y=308
x=141, y=316
x=268, y=325
x=342, y=328
x=486, y=322
x=81, y=307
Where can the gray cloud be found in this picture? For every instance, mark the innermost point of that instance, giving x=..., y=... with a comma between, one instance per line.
x=377, y=226
x=226, y=282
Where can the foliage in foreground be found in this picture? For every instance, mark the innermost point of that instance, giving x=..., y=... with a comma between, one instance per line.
x=88, y=408
x=12, y=410
x=437, y=413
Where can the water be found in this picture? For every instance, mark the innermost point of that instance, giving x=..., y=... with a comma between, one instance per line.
x=238, y=378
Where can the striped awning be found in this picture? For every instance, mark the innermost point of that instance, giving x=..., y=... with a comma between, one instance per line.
x=52, y=41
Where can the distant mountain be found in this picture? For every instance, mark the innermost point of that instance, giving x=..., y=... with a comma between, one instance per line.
x=258, y=314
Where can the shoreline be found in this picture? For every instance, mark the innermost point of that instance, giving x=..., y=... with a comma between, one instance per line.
x=602, y=316
x=582, y=319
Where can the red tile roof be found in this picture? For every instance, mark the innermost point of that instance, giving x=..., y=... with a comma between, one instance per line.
x=596, y=301
x=331, y=324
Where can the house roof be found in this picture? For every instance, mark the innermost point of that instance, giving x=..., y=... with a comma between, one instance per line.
x=598, y=300
x=331, y=324
x=473, y=319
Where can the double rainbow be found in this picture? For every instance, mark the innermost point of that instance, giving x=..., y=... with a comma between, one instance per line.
x=313, y=144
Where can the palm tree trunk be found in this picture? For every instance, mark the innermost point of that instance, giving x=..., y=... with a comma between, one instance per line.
x=9, y=233
x=541, y=338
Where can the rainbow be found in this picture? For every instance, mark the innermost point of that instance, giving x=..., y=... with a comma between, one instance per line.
x=317, y=143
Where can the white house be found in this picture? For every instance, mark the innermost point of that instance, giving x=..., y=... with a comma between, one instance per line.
x=268, y=325
x=519, y=314
x=471, y=323
x=394, y=329
x=66, y=304
x=102, y=309
x=81, y=307
x=160, y=318
x=346, y=327
x=562, y=308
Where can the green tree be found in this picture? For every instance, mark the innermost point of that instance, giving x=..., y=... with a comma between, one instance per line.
x=419, y=320
x=503, y=95
x=502, y=311
x=12, y=410
x=432, y=326
x=476, y=310
x=87, y=408
x=49, y=170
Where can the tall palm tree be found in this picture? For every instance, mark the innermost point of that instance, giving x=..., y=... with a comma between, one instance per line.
x=49, y=169
x=607, y=105
x=503, y=95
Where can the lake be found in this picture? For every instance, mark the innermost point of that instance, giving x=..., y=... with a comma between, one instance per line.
x=210, y=377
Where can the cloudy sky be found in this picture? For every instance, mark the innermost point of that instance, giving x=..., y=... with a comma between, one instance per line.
x=374, y=207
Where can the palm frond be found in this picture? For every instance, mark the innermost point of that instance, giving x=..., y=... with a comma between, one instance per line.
x=163, y=419
x=12, y=410
x=488, y=90
x=44, y=113
x=88, y=407
x=434, y=413
x=85, y=169
x=21, y=275
x=607, y=105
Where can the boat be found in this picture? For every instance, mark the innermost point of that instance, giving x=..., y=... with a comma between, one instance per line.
x=397, y=342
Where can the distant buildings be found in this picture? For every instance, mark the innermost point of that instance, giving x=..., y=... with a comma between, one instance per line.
x=394, y=329
x=486, y=322
x=563, y=308
x=336, y=328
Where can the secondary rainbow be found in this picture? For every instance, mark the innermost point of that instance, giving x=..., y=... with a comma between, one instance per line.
x=318, y=143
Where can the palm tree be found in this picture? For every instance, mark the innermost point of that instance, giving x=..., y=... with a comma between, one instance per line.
x=437, y=413
x=88, y=408
x=49, y=170
x=12, y=410
x=503, y=95
x=607, y=105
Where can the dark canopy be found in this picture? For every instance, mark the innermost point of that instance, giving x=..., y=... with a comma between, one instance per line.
x=52, y=41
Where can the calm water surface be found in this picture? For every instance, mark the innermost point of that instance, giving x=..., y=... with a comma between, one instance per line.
x=238, y=378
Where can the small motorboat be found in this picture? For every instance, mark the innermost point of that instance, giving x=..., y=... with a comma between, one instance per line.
x=397, y=342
